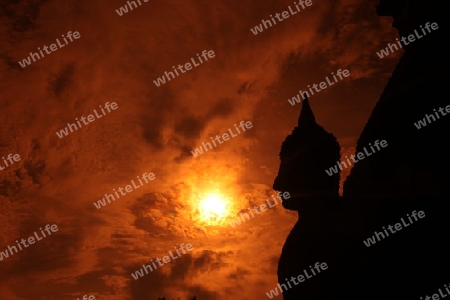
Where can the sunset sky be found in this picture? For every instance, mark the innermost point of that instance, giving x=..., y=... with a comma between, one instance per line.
x=154, y=129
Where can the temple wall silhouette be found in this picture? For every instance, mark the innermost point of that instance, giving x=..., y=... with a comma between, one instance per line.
x=416, y=88
x=412, y=173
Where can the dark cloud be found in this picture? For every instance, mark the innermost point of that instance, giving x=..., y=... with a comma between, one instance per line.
x=189, y=127
x=155, y=115
x=153, y=285
x=155, y=128
x=239, y=274
x=223, y=108
x=62, y=80
x=9, y=61
x=22, y=15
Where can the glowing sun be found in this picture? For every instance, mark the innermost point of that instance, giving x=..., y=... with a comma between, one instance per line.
x=213, y=207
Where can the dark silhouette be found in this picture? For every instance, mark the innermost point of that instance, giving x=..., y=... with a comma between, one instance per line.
x=411, y=174
x=306, y=177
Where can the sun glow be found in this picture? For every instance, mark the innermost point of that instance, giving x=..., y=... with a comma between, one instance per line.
x=212, y=195
x=213, y=208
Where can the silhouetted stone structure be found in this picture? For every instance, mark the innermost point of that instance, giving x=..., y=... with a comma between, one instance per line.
x=413, y=162
x=304, y=155
x=412, y=173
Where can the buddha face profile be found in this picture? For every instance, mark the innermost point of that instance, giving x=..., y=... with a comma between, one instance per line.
x=288, y=176
x=304, y=157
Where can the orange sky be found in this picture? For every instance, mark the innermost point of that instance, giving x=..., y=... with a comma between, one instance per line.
x=155, y=128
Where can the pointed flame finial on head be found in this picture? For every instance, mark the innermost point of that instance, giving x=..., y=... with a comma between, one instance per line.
x=306, y=115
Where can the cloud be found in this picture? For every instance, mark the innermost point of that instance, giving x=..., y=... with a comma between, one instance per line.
x=62, y=80
x=157, y=283
x=155, y=128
